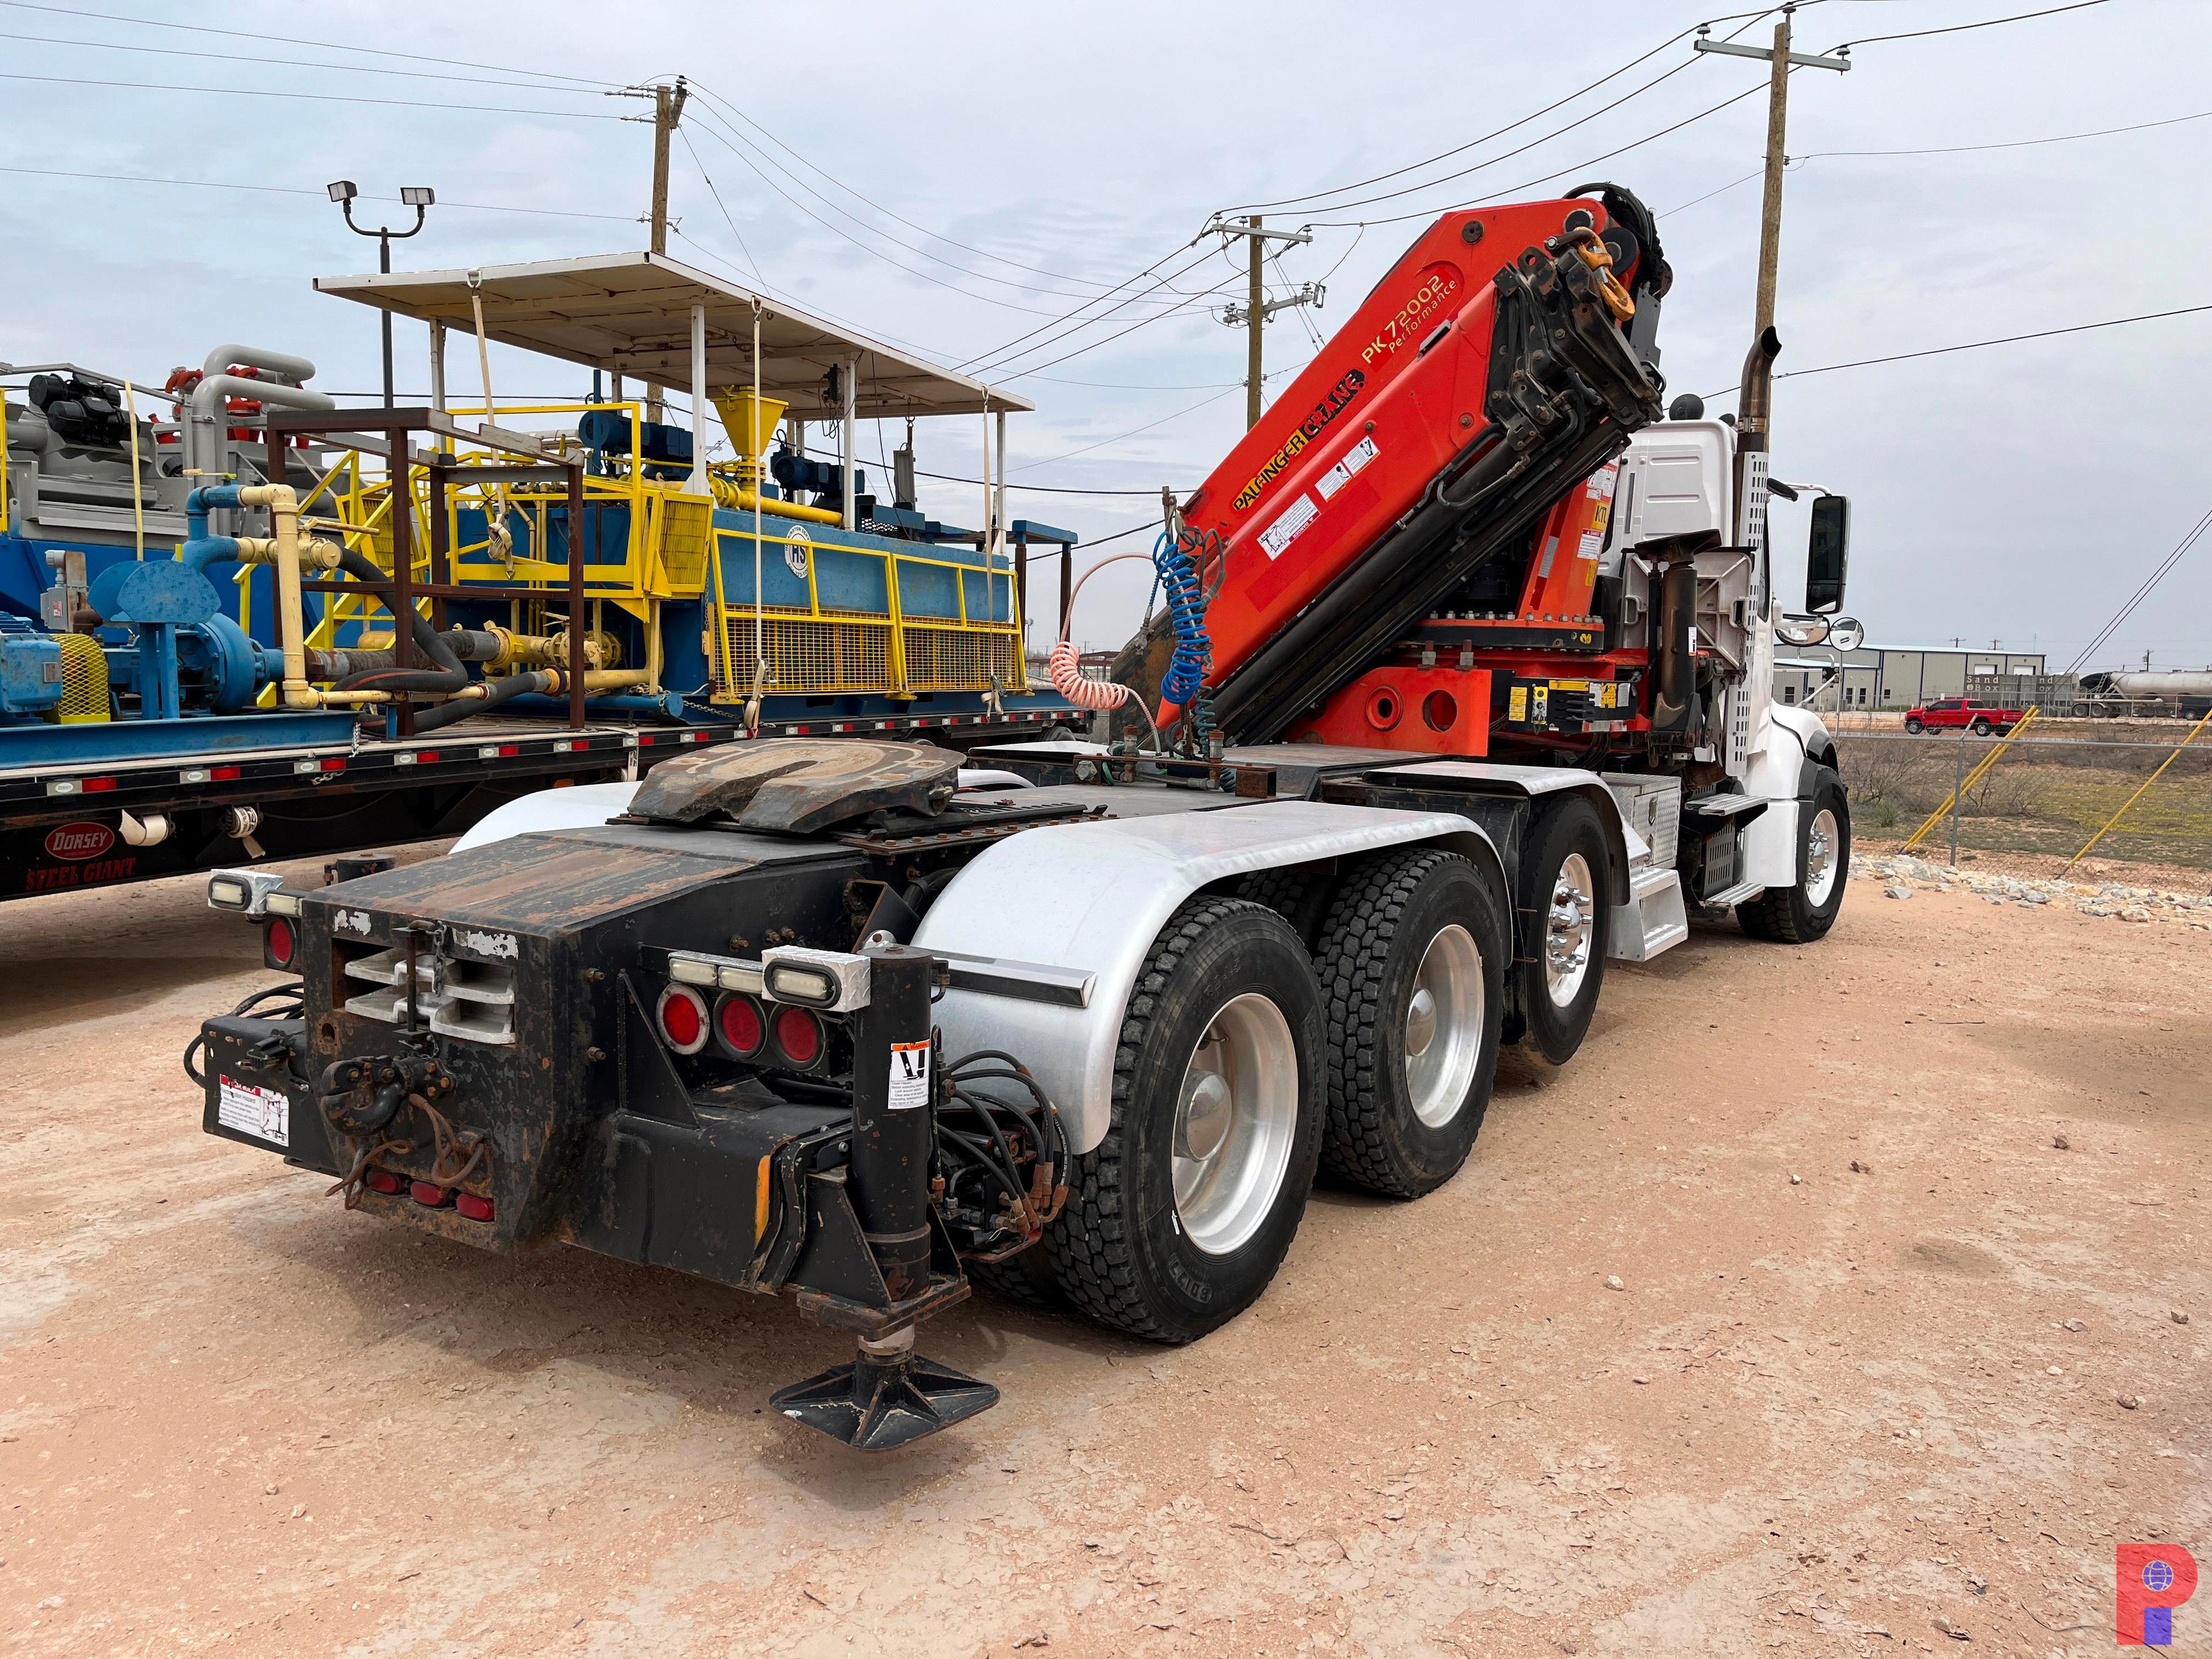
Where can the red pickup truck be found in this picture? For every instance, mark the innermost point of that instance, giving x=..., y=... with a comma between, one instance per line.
x=1955, y=713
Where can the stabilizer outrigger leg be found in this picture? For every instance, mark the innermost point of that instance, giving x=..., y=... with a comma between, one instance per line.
x=880, y=1240
x=888, y=1396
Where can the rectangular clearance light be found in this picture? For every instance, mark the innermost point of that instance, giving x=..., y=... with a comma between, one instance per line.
x=282, y=904
x=248, y=890
x=829, y=979
x=724, y=972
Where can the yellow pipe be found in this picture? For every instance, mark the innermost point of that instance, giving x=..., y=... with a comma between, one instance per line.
x=738, y=500
x=284, y=517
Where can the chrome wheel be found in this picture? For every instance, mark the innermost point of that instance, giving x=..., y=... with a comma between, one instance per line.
x=1820, y=858
x=1235, y=1119
x=1568, y=928
x=1443, y=1026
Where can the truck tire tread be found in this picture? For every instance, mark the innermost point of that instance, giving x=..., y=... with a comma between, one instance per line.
x=1092, y=1246
x=1351, y=963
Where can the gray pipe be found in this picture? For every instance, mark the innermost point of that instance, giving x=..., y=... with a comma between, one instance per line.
x=298, y=370
x=204, y=425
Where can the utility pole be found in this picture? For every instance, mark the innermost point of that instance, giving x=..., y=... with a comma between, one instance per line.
x=1781, y=60
x=1253, y=314
x=667, y=111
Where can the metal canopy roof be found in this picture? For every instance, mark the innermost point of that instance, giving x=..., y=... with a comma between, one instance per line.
x=630, y=313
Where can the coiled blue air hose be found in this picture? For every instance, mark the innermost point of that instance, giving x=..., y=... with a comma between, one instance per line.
x=1184, y=683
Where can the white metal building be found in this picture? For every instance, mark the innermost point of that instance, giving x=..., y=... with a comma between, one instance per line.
x=1875, y=677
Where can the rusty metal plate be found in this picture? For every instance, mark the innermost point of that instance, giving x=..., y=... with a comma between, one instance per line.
x=797, y=784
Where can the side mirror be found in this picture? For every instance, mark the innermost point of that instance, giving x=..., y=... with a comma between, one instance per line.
x=1824, y=553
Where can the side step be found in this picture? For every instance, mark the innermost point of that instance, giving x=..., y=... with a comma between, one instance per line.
x=1653, y=920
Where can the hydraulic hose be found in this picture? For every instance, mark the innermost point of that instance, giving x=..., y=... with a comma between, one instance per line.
x=495, y=692
x=448, y=676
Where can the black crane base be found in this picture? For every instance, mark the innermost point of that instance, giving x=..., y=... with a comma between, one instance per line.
x=877, y=1403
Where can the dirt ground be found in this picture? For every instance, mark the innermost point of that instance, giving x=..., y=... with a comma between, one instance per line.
x=1860, y=1390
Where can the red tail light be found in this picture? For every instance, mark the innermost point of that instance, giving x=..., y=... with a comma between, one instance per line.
x=476, y=1209
x=279, y=943
x=383, y=1181
x=738, y=1025
x=799, y=1036
x=682, y=1016
x=430, y=1195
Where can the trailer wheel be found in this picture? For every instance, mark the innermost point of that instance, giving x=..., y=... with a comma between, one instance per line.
x=1177, y=1221
x=1565, y=927
x=1412, y=988
x=1801, y=914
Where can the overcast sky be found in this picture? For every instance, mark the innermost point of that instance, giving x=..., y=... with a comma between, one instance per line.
x=2015, y=493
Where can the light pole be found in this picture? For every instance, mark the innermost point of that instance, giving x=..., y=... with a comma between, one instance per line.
x=418, y=196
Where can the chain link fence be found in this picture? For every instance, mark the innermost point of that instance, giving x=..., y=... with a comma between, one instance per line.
x=2116, y=801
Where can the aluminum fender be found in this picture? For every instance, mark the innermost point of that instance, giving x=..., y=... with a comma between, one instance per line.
x=1093, y=896
x=1786, y=737
x=584, y=806
x=1625, y=847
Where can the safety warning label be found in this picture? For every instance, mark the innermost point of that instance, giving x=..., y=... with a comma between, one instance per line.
x=909, y=1076
x=1340, y=475
x=262, y=1113
x=1285, y=530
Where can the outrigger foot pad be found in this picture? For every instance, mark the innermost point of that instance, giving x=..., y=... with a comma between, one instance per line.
x=880, y=1402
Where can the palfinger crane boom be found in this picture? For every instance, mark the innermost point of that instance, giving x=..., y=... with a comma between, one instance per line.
x=1506, y=356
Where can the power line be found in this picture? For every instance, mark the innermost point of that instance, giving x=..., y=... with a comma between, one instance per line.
x=858, y=196
x=1472, y=143
x=1192, y=409
x=731, y=139
x=717, y=131
x=1732, y=184
x=232, y=58
x=261, y=39
x=1014, y=348
x=1960, y=29
x=717, y=195
x=1945, y=150
x=1977, y=345
x=294, y=190
x=315, y=97
x=1041, y=490
x=1195, y=300
x=2013, y=143
x=2142, y=591
x=1579, y=166
x=1522, y=150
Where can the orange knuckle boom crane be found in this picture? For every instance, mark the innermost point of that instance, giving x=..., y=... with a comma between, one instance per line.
x=1463, y=424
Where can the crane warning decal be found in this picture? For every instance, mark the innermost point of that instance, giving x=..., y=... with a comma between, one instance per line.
x=262, y=1113
x=1285, y=530
x=909, y=1076
x=1340, y=475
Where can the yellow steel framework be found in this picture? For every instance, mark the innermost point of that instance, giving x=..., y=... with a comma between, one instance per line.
x=668, y=534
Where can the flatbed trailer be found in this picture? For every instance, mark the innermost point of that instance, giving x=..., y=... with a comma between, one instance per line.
x=278, y=785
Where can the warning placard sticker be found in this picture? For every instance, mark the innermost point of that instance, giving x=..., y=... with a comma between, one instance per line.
x=1340, y=475
x=1280, y=534
x=262, y=1113
x=909, y=1076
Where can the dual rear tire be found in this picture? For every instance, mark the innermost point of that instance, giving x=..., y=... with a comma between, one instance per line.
x=1246, y=1063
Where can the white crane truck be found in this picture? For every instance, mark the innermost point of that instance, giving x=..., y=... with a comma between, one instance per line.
x=1461, y=692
